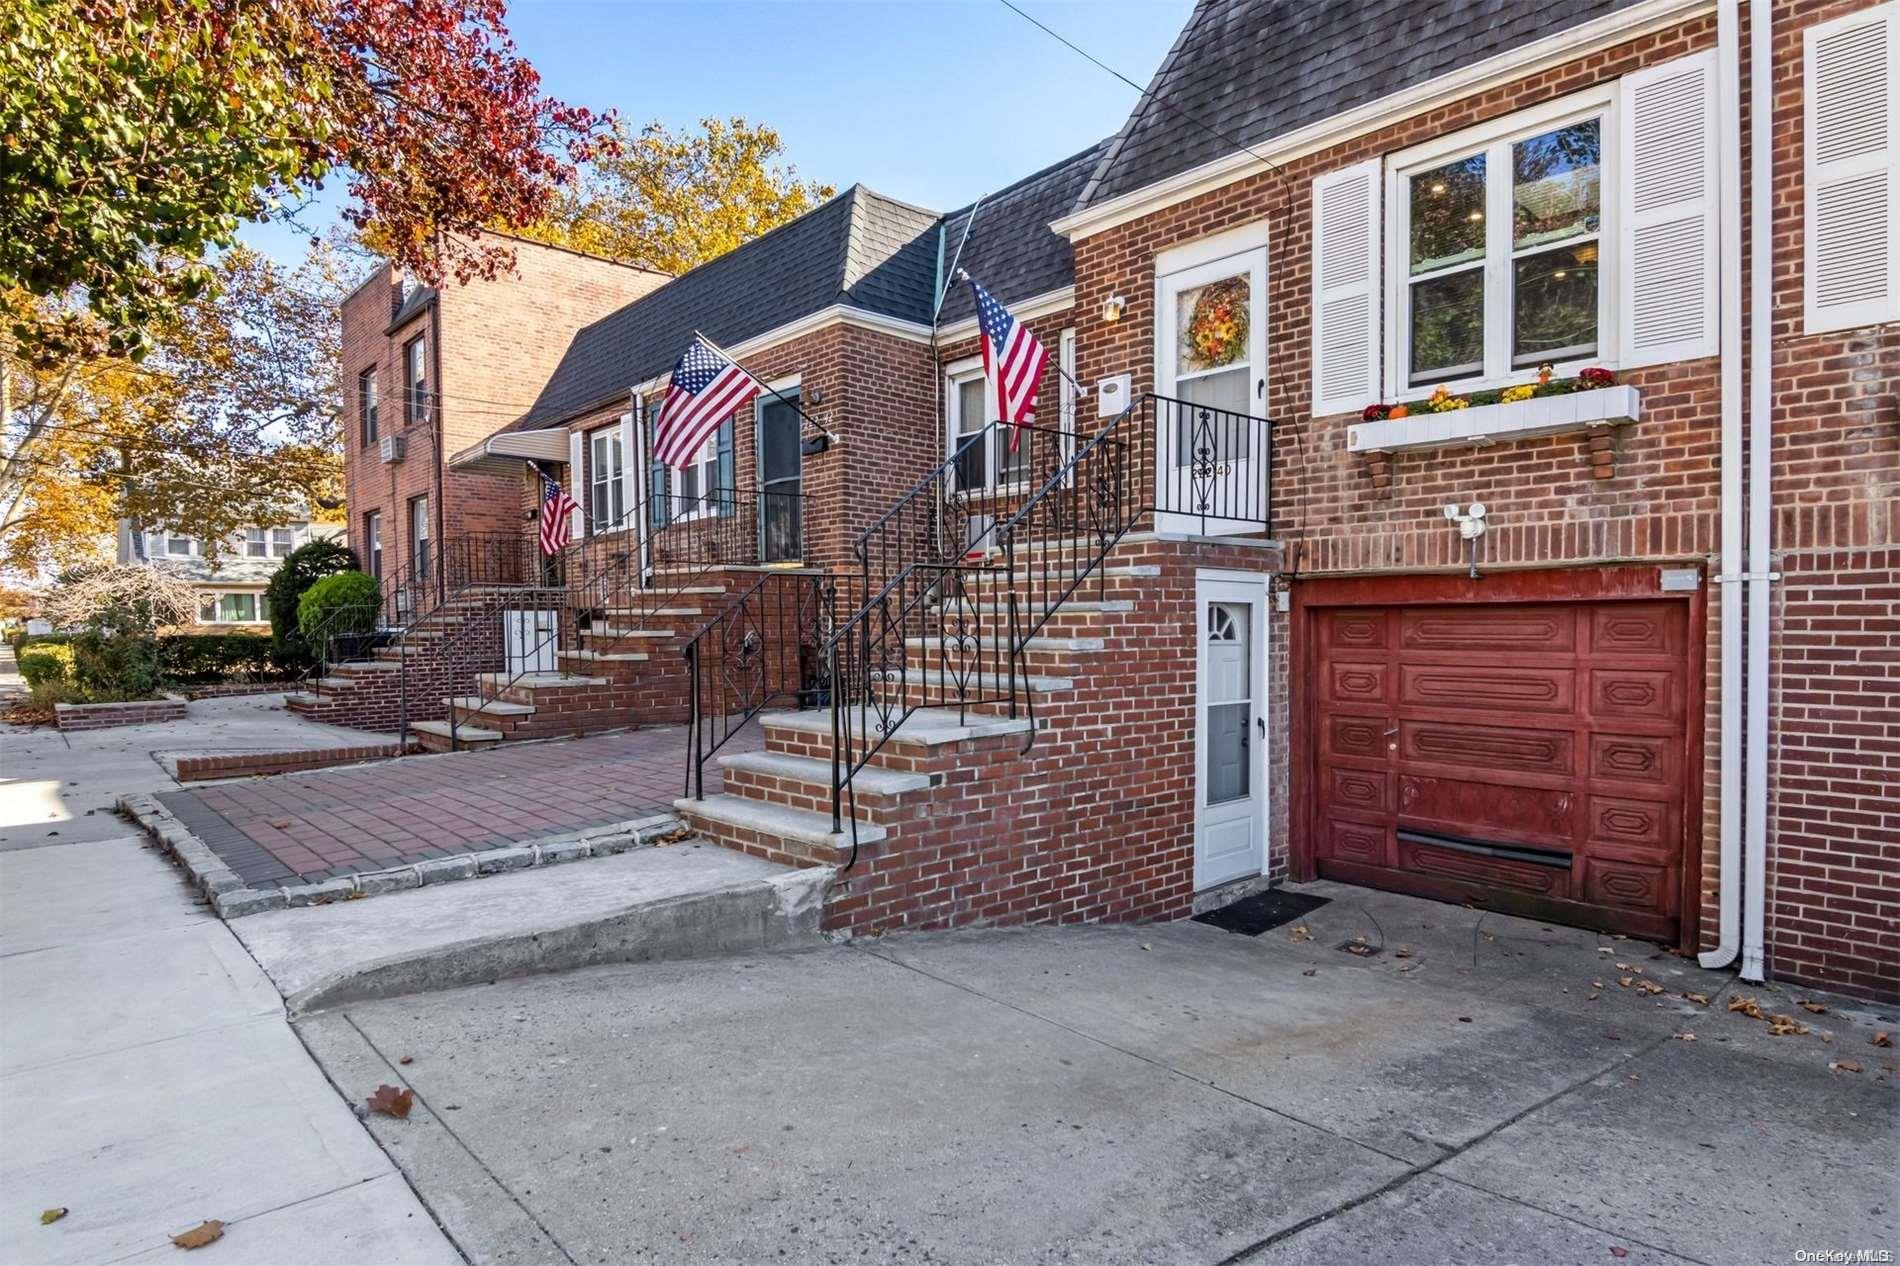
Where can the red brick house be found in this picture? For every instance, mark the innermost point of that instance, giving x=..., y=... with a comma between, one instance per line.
x=1417, y=521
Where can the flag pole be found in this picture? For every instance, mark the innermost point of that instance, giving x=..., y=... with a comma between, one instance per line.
x=963, y=274
x=768, y=388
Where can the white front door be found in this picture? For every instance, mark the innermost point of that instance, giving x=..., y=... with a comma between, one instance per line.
x=1211, y=468
x=1230, y=799
x=533, y=640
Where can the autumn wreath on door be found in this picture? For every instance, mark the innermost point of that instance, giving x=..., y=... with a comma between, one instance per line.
x=1217, y=324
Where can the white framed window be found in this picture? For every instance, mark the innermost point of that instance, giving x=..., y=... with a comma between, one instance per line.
x=1501, y=249
x=228, y=608
x=606, y=478
x=255, y=543
x=373, y=542
x=179, y=547
x=694, y=482
x=970, y=406
x=282, y=541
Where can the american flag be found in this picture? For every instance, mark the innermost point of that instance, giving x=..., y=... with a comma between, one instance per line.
x=557, y=517
x=706, y=389
x=1013, y=360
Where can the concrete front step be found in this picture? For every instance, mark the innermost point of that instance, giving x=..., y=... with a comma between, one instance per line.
x=690, y=899
x=614, y=631
x=476, y=704
x=810, y=833
x=934, y=678
x=1075, y=606
x=536, y=681
x=604, y=657
x=434, y=736
x=871, y=780
x=926, y=727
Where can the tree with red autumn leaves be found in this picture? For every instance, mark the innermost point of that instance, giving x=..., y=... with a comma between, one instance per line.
x=137, y=135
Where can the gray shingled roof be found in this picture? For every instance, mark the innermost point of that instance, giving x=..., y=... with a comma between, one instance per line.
x=860, y=249
x=1011, y=250
x=1258, y=69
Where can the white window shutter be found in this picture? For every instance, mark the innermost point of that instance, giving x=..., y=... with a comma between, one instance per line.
x=629, y=467
x=1669, y=253
x=1346, y=256
x=1851, y=170
x=576, y=485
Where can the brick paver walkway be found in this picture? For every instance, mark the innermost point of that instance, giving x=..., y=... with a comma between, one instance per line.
x=301, y=828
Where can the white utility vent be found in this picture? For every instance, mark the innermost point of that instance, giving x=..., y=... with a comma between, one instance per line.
x=393, y=446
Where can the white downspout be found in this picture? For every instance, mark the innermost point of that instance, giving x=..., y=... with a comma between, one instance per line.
x=1760, y=490
x=1728, y=270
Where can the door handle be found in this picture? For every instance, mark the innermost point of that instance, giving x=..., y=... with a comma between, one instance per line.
x=1394, y=730
x=1262, y=723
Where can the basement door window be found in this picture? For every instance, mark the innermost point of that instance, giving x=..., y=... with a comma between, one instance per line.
x=1229, y=703
x=1502, y=248
x=606, y=481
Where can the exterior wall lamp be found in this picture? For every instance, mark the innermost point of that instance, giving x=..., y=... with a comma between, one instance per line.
x=1112, y=308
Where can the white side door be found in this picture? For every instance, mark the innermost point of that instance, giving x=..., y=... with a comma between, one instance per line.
x=1230, y=743
x=532, y=640
x=1211, y=354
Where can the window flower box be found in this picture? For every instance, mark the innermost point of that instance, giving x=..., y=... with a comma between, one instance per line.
x=1489, y=423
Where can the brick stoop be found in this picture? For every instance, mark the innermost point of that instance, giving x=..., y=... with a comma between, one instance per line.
x=628, y=670
x=958, y=825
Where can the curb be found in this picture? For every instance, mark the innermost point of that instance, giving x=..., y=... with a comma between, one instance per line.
x=233, y=899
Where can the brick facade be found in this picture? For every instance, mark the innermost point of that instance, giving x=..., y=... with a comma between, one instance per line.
x=1837, y=476
x=491, y=346
x=1005, y=836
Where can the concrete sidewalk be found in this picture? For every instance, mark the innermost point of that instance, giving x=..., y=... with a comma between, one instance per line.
x=59, y=788
x=149, y=1081
x=1166, y=1094
x=148, y=1078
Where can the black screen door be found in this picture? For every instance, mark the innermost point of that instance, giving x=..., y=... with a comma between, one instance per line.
x=781, y=537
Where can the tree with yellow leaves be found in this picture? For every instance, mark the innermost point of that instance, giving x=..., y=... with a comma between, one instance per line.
x=229, y=422
x=673, y=200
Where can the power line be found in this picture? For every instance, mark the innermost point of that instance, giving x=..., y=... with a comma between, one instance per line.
x=1209, y=128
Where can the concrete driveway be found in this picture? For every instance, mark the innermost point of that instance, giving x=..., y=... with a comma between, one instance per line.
x=1483, y=1089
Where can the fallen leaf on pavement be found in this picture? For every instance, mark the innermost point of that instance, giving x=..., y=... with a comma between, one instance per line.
x=407, y=1059
x=1300, y=932
x=1593, y=997
x=1882, y=1039
x=1747, y=1006
x=199, y=1236
x=1403, y=951
x=1844, y=1066
x=52, y=1215
x=1700, y=999
x=1617, y=1250
x=1785, y=1026
x=392, y=1102
x=1685, y=1037
x=1814, y=1007
x=1626, y=981
x=282, y=824
x=1464, y=1019
x=1310, y=971
x=1146, y=946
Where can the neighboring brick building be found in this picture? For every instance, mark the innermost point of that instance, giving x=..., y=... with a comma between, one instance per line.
x=465, y=360
x=1249, y=649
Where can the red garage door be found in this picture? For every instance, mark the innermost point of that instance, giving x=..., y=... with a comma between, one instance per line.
x=1525, y=757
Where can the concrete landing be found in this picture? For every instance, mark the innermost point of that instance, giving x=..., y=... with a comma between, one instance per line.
x=688, y=900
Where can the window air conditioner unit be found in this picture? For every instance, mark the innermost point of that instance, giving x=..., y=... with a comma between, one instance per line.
x=393, y=449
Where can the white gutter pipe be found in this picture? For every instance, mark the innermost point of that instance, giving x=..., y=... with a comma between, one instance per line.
x=1728, y=270
x=1760, y=491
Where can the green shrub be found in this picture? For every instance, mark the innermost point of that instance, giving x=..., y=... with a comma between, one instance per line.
x=338, y=606
x=46, y=661
x=117, y=665
x=202, y=659
x=301, y=568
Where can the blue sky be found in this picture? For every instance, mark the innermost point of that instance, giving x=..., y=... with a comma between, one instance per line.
x=929, y=101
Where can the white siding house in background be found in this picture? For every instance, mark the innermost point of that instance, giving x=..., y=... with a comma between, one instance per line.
x=230, y=575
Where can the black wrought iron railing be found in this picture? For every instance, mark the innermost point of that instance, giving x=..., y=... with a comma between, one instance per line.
x=957, y=577
x=763, y=650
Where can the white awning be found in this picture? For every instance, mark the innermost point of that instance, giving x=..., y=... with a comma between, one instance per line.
x=497, y=454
